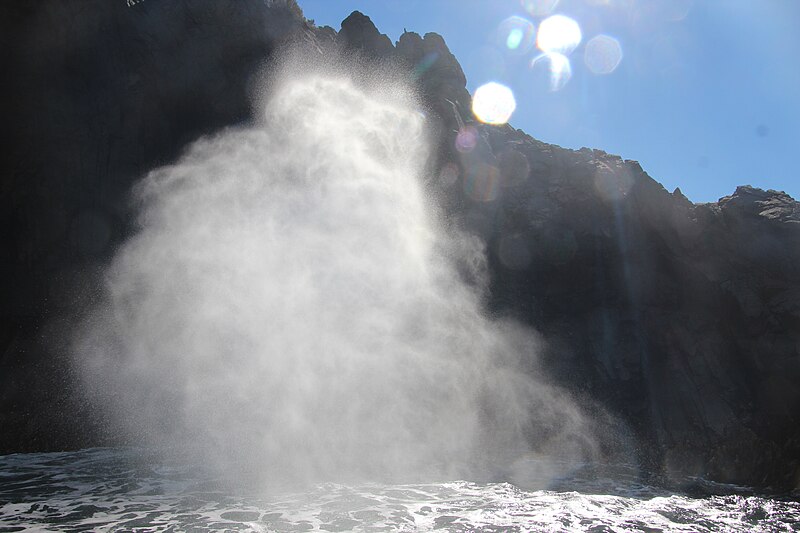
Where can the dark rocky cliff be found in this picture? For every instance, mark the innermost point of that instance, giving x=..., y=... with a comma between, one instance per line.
x=683, y=319
x=97, y=93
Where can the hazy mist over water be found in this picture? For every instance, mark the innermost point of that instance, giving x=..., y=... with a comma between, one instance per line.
x=293, y=308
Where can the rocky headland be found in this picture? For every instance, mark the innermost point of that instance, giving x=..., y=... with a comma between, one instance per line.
x=682, y=319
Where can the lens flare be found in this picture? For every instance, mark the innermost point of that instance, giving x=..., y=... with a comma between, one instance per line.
x=493, y=103
x=427, y=61
x=514, y=168
x=466, y=139
x=602, y=54
x=677, y=10
x=482, y=183
x=559, y=69
x=612, y=183
x=514, y=252
x=539, y=8
x=449, y=174
x=558, y=34
x=517, y=34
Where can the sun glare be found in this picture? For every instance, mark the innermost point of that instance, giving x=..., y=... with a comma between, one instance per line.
x=493, y=103
x=558, y=34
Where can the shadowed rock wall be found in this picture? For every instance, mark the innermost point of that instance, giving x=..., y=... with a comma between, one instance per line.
x=95, y=94
x=682, y=318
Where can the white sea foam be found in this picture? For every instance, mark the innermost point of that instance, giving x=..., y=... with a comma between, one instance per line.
x=113, y=490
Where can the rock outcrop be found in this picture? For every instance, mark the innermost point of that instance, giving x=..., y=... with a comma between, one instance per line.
x=97, y=94
x=683, y=319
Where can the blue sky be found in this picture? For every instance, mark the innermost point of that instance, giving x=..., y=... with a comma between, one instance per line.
x=706, y=96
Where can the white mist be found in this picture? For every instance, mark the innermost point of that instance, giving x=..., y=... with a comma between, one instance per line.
x=291, y=307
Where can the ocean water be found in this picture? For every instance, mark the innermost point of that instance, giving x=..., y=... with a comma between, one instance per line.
x=128, y=489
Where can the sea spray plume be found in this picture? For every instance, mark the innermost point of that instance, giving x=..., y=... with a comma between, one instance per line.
x=290, y=307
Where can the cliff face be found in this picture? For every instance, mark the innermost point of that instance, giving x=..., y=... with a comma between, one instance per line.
x=97, y=94
x=683, y=319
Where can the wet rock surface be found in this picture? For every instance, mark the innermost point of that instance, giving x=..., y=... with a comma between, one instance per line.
x=682, y=319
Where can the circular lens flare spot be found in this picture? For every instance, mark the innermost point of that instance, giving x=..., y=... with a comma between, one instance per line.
x=539, y=8
x=558, y=34
x=558, y=68
x=602, y=54
x=493, y=103
x=514, y=38
x=514, y=168
x=517, y=34
x=466, y=139
x=482, y=183
x=514, y=252
x=449, y=174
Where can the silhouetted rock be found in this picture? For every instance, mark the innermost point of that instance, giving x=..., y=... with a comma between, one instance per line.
x=682, y=319
x=359, y=33
x=437, y=71
x=101, y=94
